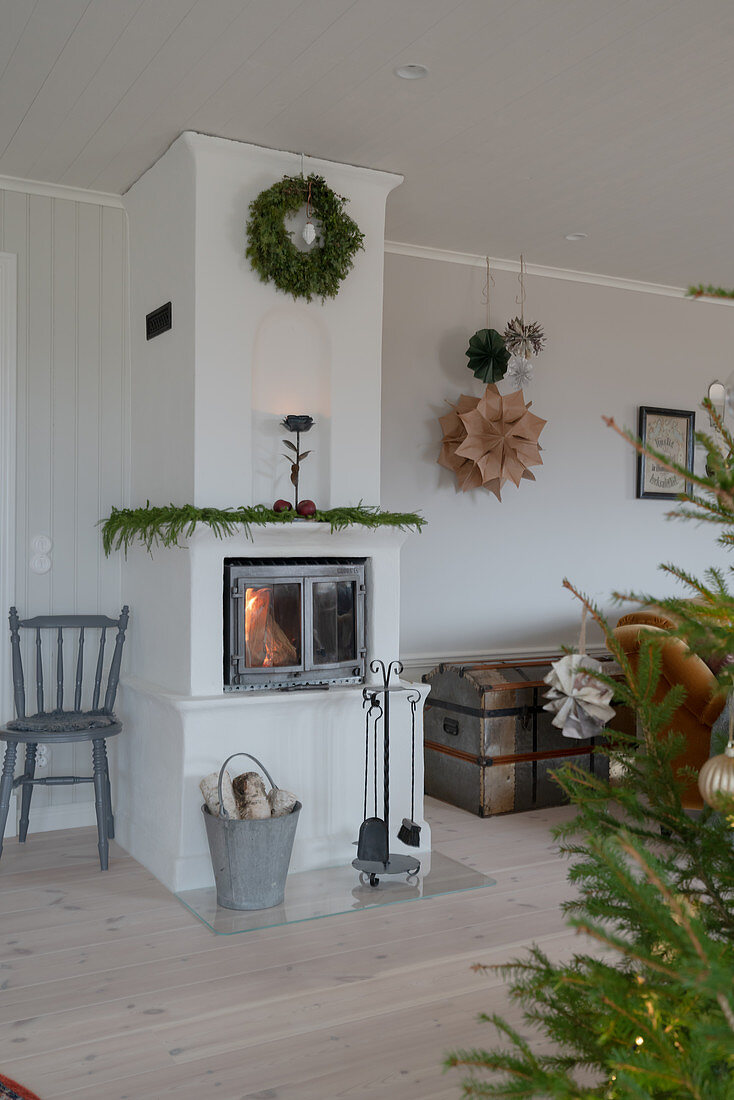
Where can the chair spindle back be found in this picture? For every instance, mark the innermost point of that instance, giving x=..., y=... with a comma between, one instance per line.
x=60, y=623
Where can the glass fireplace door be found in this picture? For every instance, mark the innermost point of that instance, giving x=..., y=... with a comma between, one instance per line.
x=333, y=608
x=265, y=628
x=273, y=625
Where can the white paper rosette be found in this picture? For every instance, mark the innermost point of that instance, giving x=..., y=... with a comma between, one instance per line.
x=580, y=701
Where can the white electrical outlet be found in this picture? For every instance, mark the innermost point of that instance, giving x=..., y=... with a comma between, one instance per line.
x=40, y=563
x=41, y=544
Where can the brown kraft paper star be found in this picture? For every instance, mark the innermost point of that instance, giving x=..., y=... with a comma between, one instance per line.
x=491, y=440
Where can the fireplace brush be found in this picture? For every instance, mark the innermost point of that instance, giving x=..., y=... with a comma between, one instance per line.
x=410, y=831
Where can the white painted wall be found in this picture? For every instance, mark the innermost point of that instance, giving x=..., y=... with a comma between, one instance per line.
x=485, y=577
x=258, y=351
x=71, y=401
x=161, y=208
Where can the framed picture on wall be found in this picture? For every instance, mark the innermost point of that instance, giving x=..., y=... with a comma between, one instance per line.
x=669, y=431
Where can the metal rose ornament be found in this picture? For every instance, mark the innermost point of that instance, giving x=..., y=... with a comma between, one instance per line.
x=297, y=424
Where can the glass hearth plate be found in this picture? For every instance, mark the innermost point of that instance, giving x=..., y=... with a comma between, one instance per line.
x=310, y=895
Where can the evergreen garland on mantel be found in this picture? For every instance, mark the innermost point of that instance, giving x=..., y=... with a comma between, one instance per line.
x=165, y=526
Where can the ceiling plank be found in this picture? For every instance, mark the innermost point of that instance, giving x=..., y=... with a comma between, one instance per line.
x=14, y=16
x=82, y=56
x=42, y=40
x=135, y=49
x=187, y=43
x=174, y=111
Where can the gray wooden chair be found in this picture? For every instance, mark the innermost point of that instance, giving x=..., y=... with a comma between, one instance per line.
x=59, y=725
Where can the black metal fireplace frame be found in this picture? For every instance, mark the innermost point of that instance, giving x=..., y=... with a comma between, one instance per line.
x=239, y=573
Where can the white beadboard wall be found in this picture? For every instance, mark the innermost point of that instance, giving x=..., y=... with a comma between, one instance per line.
x=71, y=424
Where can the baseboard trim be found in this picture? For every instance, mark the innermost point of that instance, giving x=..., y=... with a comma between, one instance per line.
x=11, y=825
x=70, y=815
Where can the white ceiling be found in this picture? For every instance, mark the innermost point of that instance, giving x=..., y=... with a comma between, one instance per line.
x=538, y=118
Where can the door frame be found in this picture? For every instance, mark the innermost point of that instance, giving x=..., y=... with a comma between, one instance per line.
x=8, y=408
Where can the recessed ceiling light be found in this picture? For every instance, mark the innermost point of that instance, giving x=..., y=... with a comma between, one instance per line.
x=411, y=72
x=576, y=236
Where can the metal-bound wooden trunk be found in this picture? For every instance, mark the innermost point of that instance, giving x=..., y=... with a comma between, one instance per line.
x=490, y=748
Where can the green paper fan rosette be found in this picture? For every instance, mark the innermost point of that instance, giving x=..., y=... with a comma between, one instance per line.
x=488, y=356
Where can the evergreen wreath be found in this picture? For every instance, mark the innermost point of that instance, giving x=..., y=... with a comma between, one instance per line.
x=272, y=253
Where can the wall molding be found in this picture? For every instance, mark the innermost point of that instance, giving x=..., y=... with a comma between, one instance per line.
x=469, y=259
x=61, y=191
x=8, y=399
x=67, y=815
x=416, y=664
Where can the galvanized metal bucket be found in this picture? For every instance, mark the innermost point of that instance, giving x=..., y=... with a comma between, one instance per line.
x=250, y=858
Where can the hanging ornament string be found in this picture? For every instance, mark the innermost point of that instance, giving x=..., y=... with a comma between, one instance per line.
x=582, y=633
x=485, y=291
x=523, y=340
x=520, y=299
x=487, y=353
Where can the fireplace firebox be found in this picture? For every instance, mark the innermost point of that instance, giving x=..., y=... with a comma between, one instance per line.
x=293, y=622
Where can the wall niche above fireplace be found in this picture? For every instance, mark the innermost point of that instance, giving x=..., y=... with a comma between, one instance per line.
x=293, y=622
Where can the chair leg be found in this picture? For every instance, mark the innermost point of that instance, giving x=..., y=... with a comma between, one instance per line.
x=6, y=785
x=25, y=801
x=99, y=758
x=108, y=791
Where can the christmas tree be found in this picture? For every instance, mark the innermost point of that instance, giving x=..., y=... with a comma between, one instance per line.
x=646, y=1007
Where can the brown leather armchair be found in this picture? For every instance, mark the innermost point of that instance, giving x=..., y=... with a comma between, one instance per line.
x=703, y=702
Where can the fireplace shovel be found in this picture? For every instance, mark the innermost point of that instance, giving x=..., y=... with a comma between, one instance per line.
x=372, y=843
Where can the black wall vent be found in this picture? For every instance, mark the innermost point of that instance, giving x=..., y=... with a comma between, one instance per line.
x=158, y=321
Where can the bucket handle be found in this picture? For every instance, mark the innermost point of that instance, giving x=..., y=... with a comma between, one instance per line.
x=222, y=811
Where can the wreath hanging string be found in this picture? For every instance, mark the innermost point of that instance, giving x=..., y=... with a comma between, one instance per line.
x=273, y=255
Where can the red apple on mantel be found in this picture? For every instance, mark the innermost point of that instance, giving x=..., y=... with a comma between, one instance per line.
x=282, y=506
x=306, y=508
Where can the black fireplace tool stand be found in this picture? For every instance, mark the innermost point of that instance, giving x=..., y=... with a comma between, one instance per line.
x=376, y=697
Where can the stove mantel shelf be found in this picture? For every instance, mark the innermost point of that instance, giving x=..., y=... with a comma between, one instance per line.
x=287, y=536
x=230, y=700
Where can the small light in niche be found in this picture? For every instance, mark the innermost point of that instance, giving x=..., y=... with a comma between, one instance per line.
x=576, y=236
x=411, y=72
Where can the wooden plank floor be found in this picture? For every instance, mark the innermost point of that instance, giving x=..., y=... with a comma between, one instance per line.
x=111, y=990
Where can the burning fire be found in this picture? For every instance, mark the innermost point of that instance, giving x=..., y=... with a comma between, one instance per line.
x=266, y=643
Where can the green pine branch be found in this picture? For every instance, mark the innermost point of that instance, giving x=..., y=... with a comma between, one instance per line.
x=701, y=290
x=170, y=524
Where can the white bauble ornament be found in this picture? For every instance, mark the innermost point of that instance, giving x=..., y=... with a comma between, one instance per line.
x=309, y=233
